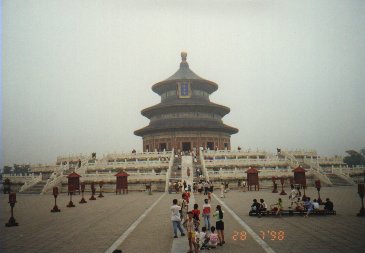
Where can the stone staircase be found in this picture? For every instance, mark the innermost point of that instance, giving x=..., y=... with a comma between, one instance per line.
x=37, y=188
x=337, y=180
x=175, y=171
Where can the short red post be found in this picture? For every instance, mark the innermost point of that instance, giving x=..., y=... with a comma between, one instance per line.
x=55, y=209
x=12, y=201
x=275, y=186
x=101, y=192
x=82, y=201
x=282, y=181
x=93, y=190
x=71, y=192
x=318, y=186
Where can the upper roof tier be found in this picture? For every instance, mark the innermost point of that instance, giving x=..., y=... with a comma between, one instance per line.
x=184, y=73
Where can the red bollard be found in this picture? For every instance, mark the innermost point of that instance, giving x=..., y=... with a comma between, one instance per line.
x=82, y=201
x=318, y=186
x=71, y=192
x=282, y=181
x=275, y=189
x=93, y=190
x=101, y=186
x=361, y=192
x=12, y=201
x=55, y=194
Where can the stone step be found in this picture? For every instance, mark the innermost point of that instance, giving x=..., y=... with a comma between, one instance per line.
x=337, y=180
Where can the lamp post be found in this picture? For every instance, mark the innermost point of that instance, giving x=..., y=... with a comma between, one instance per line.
x=318, y=186
x=282, y=181
x=101, y=186
x=93, y=190
x=275, y=189
x=72, y=189
x=12, y=201
x=82, y=201
x=55, y=208
x=361, y=192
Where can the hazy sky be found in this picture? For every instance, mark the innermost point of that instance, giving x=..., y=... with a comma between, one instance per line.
x=76, y=74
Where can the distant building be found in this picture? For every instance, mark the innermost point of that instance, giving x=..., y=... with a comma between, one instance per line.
x=185, y=119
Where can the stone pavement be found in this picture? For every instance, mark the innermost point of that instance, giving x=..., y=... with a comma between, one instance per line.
x=95, y=226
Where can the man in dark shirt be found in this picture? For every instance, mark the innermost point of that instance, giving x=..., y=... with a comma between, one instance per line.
x=328, y=205
x=255, y=207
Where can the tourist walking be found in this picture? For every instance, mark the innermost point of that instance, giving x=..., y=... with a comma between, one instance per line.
x=219, y=224
x=222, y=190
x=175, y=218
x=206, y=213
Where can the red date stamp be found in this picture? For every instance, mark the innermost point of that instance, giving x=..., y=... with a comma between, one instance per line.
x=272, y=235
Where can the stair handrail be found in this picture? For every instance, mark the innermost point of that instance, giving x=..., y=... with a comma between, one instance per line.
x=168, y=174
x=29, y=183
x=202, y=161
x=55, y=178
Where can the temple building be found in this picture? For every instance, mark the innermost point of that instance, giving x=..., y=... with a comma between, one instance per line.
x=185, y=119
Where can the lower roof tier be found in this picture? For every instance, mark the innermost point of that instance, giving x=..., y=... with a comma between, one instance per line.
x=186, y=125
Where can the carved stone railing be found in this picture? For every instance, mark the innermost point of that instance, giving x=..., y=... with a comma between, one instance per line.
x=29, y=183
x=246, y=162
x=55, y=179
x=19, y=178
x=168, y=174
x=203, y=167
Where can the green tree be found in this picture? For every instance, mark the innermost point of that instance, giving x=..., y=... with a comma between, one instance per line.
x=24, y=168
x=354, y=158
x=7, y=170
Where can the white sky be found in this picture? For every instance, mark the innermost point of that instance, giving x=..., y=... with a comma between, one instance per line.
x=76, y=74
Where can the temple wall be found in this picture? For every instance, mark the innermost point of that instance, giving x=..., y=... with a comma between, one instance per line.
x=196, y=139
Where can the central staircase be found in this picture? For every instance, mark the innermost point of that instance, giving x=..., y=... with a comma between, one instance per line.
x=37, y=188
x=336, y=180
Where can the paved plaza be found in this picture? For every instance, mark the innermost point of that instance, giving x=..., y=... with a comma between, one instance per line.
x=97, y=225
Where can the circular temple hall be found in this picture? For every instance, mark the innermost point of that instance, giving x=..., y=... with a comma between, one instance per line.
x=185, y=119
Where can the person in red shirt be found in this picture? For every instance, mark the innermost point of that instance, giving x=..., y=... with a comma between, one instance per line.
x=196, y=216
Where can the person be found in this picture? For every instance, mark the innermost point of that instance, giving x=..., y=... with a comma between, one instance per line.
x=175, y=218
x=209, y=196
x=204, y=239
x=263, y=207
x=299, y=205
x=206, y=187
x=206, y=213
x=255, y=207
x=213, y=238
x=219, y=224
x=315, y=204
x=184, y=184
x=222, y=190
x=191, y=233
x=293, y=195
x=184, y=207
x=328, y=205
x=243, y=185
x=278, y=207
x=200, y=187
x=196, y=214
x=308, y=205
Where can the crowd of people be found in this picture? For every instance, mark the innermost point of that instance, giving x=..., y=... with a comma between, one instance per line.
x=197, y=224
x=302, y=204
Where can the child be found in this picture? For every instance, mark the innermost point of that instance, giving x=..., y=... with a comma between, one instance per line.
x=219, y=224
x=213, y=238
x=206, y=213
x=204, y=238
x=196, y=214
x=191, y=233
